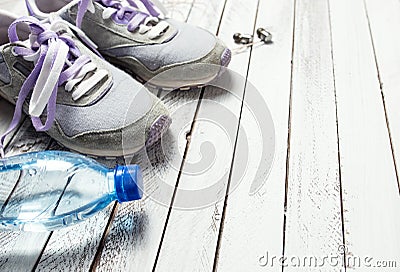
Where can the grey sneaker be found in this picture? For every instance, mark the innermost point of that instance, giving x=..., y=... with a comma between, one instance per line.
x=134, y=35
x=80, y=100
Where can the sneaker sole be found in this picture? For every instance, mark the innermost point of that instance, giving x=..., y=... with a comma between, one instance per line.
x=226, y=58
x=157, y=129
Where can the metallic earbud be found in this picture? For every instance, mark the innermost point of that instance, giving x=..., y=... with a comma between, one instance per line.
x=247, y=39
x=264, y=35
x=243, y=38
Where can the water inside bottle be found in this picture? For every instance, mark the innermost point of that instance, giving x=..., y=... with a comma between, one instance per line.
x=40, y=195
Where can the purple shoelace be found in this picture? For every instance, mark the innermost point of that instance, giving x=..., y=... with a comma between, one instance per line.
x=45, y=44
x=128, y=15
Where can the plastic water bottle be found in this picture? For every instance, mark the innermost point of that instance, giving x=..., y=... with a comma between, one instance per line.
x=49, y=190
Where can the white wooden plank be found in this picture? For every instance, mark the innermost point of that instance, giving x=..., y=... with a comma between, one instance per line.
x=74, y=248
x=206, y=14
x=19, y=251
x=198, y=229
x=178, y=9
x=313, y=215
x=384, y=17
x=371, y=198
x=137, y=229
x=253, y=223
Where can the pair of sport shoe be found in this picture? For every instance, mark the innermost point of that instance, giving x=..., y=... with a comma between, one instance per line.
x=81, y=100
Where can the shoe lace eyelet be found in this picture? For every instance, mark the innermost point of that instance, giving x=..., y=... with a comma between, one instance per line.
x=13, y=52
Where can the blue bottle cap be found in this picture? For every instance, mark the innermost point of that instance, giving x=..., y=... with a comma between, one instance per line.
x=128, y=183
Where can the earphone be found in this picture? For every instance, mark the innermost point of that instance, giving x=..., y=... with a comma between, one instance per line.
x=247, y=40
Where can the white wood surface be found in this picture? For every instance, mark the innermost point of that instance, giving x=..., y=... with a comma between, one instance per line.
x=382, y=17
x=254, y=224
x=339, y=185
x=371, y=199
x=313, y=212
x=198, y=229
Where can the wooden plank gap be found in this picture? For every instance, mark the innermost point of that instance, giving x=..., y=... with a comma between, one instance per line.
x=190, y=11
x=289, y=132
x=41, y=252
x=338, y=140
x=227, y=191
x=178, y=179
x=199, y=102
x=99, y=251
x=221, y=18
